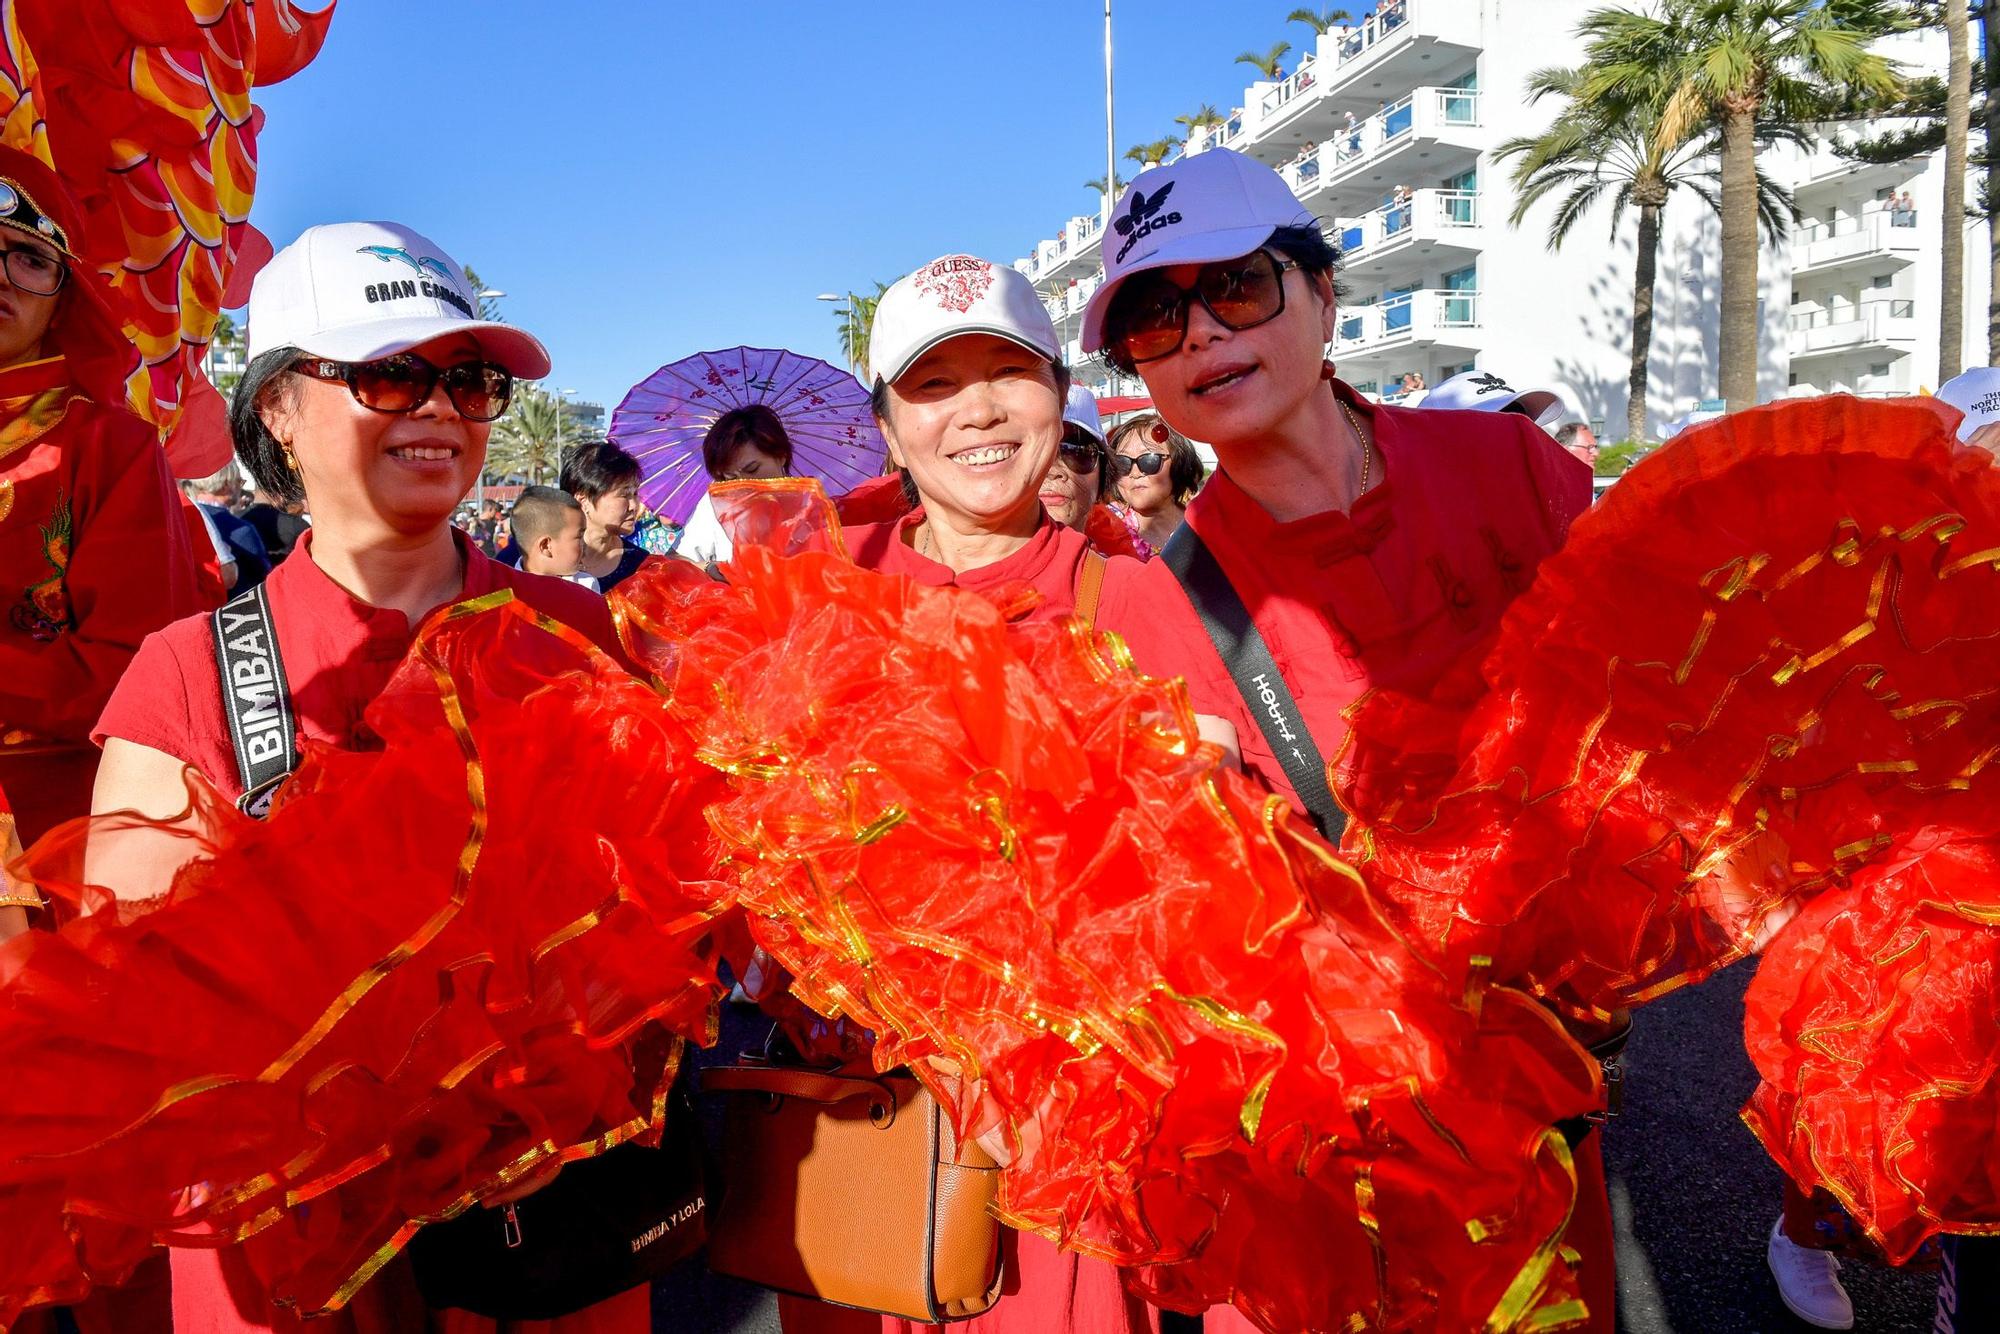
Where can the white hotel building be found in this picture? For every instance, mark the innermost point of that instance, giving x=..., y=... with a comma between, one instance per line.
x=1421, y=95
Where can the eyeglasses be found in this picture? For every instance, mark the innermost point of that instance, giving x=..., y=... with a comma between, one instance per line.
x=403, y=383
x=1148, y=463
x=35, y=272
x=1150, y=317
x=1080, y=456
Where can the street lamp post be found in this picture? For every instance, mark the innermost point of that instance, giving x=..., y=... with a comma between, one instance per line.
x=479, y=483
x=849, y=348
x=561, y=411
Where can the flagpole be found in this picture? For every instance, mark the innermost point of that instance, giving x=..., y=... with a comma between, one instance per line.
x=1110, y=134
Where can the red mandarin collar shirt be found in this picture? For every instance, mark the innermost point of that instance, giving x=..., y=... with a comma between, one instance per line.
x=339, y=653
x=1050, y=564
x=94, y=555
x=1392, y=594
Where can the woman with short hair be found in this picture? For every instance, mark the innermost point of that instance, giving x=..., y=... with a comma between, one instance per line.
x=605, y=481
x=1370, y=546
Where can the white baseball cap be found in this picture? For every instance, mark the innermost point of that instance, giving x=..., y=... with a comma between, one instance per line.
x=1483, y=391
x=356, y=291
x=1976, y=393
x=951, y=296
x=1214, y=205
x=1081, y=410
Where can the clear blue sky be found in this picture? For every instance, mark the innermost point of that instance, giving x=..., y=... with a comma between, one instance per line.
x=649, y=179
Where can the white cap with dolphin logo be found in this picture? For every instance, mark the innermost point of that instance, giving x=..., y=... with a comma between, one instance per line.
x=359, y=291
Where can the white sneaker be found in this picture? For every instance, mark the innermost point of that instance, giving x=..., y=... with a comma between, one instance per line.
x=1808, y=1282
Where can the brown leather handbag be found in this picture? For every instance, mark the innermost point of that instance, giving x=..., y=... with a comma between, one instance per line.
x=854, y=1190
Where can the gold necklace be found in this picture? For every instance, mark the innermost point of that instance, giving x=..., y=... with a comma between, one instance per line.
x=1367, y=450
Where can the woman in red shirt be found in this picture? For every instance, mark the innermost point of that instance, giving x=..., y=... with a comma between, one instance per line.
x=969, y=389
x=93, y=551
x=1372, y=546
x=370, y=396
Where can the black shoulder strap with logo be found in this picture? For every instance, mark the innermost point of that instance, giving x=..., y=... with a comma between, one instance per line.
x=1255, y=673
x=256, y=698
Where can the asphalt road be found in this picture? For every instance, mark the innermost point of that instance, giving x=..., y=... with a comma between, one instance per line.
x=1694, y=1195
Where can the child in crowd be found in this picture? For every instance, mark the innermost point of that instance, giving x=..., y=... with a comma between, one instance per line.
x=548, y=526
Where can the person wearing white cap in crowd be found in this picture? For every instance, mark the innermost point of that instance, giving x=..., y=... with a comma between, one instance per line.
x=1367, y=545
x=1075, y=481
x=970, y=392
x=1976, y=393
x=1483, y=391
x=371, y=389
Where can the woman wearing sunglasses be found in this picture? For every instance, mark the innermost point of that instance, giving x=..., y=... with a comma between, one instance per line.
x=1372, y=545
x=94, y=553
x=371, y=390
x=1074, y=483
x=1155, y=473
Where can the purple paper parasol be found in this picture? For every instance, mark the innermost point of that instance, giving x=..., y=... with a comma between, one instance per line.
x=824, y=410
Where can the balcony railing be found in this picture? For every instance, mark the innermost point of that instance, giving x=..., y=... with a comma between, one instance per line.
x=1875, y=231
x=1432, y=214
x=1870, y=323
x=1422, y=316
x=1389, y=18
x=1424, y=113
x=1300, y=81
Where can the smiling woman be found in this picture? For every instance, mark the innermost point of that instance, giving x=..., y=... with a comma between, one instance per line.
x=970, y=392
x=369, y=398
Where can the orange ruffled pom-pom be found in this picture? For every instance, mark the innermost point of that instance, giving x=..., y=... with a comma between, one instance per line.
x=1205, y=1048
x=1758, y=681
x=436, y=969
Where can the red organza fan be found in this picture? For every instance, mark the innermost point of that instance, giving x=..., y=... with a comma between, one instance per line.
x=1207, y=1050
x=1761, y=674
x=435, y=969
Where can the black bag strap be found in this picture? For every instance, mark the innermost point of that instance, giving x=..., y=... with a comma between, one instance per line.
x=1256, y=674
x=256, y=698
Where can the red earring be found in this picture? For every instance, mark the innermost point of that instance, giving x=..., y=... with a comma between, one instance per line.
x=1326, y=371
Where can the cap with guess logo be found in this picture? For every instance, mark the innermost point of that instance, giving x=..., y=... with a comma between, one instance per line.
x=1214, y=205
x=357, y=291
x=951, y=296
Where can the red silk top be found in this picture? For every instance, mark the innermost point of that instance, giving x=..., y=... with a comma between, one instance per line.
x=1050, y=564
x=338, y=651
x=1392, y=594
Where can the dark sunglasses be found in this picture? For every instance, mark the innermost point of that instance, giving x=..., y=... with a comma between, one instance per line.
x=35, y=272
x=1150, y=317
x=1080, y=455
x=1148, y=463
x=403, y=383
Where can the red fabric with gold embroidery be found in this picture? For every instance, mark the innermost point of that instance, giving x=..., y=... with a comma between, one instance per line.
x=432, y=971
x=1804, y=714
x=93, y=558
x=1207, y=1051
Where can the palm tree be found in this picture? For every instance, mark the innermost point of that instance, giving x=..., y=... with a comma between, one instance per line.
x=1153, y=154
x=1097, y=183
x=1957, y=126
x=1319, y=22
x=489, y=307
x=1585, y=157
x=1735, y=64
x=1199, y=119
x=528, y=441
x=1266, y=64
x=857, y=317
